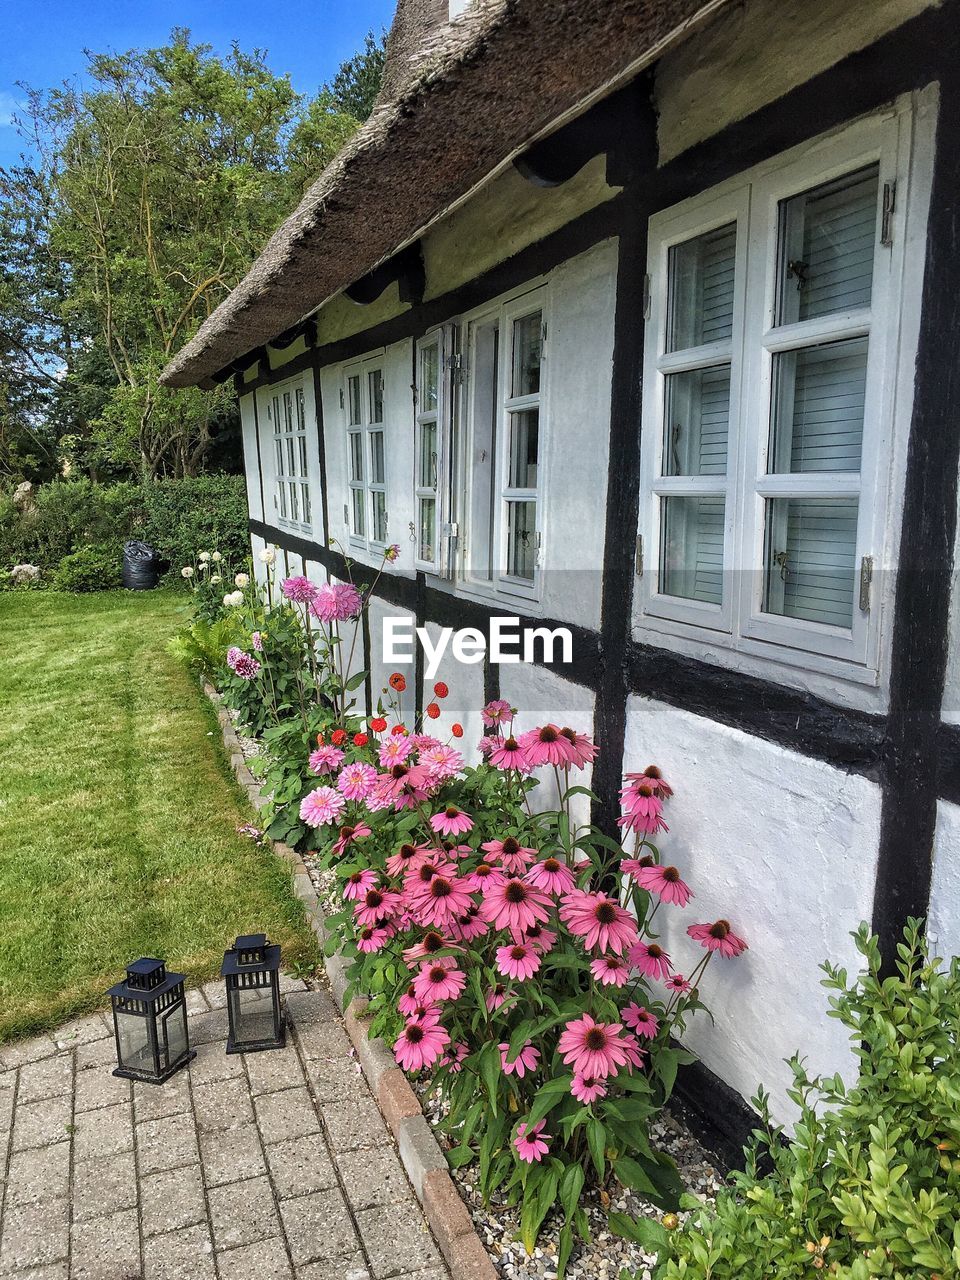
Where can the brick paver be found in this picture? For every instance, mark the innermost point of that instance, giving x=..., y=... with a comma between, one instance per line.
x=272, y=1166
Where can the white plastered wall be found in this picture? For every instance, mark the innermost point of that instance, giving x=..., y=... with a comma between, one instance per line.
x=785, y=848
x=462, y=705
x=943, y=926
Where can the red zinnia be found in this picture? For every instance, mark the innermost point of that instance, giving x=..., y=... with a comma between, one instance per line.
x=338, y=737
x=378, y=724
x=360, y=739
x=397, y=682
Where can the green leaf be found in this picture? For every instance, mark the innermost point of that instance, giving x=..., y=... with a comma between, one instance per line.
x=650, y=1235
x=597, y=1142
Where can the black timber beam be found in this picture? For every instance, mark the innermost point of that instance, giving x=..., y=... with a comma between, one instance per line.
x=405, y=268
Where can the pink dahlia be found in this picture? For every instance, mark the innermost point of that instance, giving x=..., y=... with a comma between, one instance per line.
x=300, y=589
x=420, y=1044
x=233, y=653
x=518, y=961
x=356, y=885
x=547, y=745
x=650, y=959
x=355, y=780
x=322, y=806
x=246, y=666
x=323, y=606
x=610, y=970
x=325, y=759
x=394, y=751
x=451, y=821
x=532, y=1144
x=718, y=936
x=436, y=982
x=349, y=601
x=599, y=920
x=496, y=712
x=514, y=905
x=587, y=1089
x=552, y=875
x=443, y=762
x=640, y=1020
x=348, y=836
x=593, y=1048
x=256, y=641
x=665, y=882
x=526, y=1060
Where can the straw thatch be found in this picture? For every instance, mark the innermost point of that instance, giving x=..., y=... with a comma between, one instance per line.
x=459, y=99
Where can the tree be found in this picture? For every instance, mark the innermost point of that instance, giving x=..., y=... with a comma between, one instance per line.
x=355, y=87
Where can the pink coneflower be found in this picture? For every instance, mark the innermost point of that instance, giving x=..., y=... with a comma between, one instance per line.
x=665, y=882
x=654, y=778
x=582, y=750
x=411, y=786
x=511, y=854
x=518, y=961
x=547, y=745
x=640, y=1020
x=300, y=589
x=634, y=1051
x=348, y=836
x=536, y=936
x=427, y=947
x=246, y=666
x=678, y=983
x=374, y=937
x=439, y=901
x=718, y=936
x=451, y=821
x=650, y=959
x=507, y=753
x=481, y=875
x=406, y=856
x=552, y=875
x=643, y=809
x=410, y=1004
x=593, y=1048
x=394, y=751
x=437, y=982
x=322, y=806
x=532, y=1144
x=495, y=997
x=325, y=759
x=455, y=1057
x=422, y=870
x=633, y=866
x=355, y=780
x=376, y=904
x=496, y=712
x=526, y=1060
x=356, y=886
x=514, y=905
x=469, y=926
x=420, y=1044
x=599, y=920
x=610, y=970
x=442, y=761
x=587, y=1089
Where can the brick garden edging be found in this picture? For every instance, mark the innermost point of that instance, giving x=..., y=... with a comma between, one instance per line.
x=420, y=1154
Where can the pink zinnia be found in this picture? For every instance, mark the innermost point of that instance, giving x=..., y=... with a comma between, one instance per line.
x=640, y=1020
x=496, y=712
x=599, y=920
x=355, y=780
x=451, y=821
x=348, y=835
x=356, y=886
x=552, y=875
x=507, y=753
x=650, y=959
x=610, y=970
x=547, y=745
x=582, y=750
x=325, y=759
x=718, y=936
x=526, y=1060
x=533, y=1144
x=420, y=1044
x=322, y=806
x=514, y=905
x=593, y=1048
x=511, y=854
x=665, y=882
x=300, y=590
x=437, y=982
x=518, y=961
x=587, y=1089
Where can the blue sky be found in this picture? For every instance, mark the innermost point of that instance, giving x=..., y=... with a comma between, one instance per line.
x=43, y=41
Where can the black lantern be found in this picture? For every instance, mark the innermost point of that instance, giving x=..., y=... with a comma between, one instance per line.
x=150, y=1023
x=252, y=971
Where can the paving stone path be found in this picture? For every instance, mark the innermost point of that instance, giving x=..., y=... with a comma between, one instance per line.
x=267, y=1166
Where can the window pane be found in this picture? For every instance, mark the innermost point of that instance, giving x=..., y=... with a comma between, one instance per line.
x=353, y=394
x=527, y=350
x=375, y=391
x=524, y=434
x=282, y=492
x=356, y=500
x=427, y=475
x=521, y=539
x=697, y=422
x=287, y=411
x=301, y=416
x=291, y=465
x=700, y=283
x=429, y=377
x=376, y=457
x=303, y=455
x=827, y=238
x=294, y=501
x=818, y=408
x=379, y=533
x=691, y=548
x=810, y=559
x=428, y=529
x=356, y=456
x=275, y=414
x=305, y=500
x=279, y=448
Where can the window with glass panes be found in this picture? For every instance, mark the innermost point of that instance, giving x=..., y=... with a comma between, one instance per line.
x=366, y=508
x=428, y=450
x=287, y=414
x=766, y=401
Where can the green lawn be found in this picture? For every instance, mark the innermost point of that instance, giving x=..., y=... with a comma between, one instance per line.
x=118, y=812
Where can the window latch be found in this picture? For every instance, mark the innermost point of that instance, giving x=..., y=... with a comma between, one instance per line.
x=886, y=213
x=638, y=559
x=866, y=581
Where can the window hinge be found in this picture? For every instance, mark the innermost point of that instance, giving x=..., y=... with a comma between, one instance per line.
x=646, y=297
x=866, y=580
x=886, y=213
x=341, y=397
x=454, y=364
x=346, y=514
x=638, y=561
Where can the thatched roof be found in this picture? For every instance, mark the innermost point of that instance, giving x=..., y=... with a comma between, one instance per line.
x=460, y=99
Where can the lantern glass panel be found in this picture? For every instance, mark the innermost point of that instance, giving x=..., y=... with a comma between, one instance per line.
x=252, y=1014
x=173, y=1036
x=133, y=1033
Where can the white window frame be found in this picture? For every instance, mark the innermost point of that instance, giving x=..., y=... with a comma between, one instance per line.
x=505, y=312
x=283, y=414
x=430, y=417
x=753, y=200
x=365, y=430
